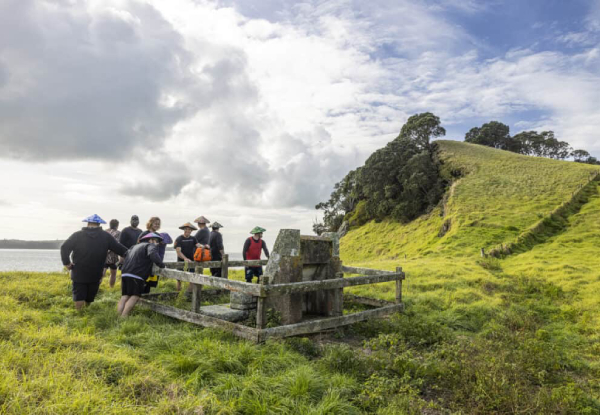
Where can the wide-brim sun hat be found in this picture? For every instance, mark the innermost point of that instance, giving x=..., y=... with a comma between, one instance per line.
x=217, y=225
x=188, y=225
x=166, y=238
x=257, y=229
x=151, y=235
x=94, y=219
x=201, y=219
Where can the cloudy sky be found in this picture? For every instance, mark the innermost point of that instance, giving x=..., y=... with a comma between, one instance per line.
x=248, y=111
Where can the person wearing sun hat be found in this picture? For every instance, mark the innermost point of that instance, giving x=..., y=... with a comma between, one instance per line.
x=84, y=255
x=253, y=247
x=185, y=246
x=137, y=269
x=203, y=234
x=217, y=250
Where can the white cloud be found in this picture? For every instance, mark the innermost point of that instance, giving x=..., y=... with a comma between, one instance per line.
x=245, y=114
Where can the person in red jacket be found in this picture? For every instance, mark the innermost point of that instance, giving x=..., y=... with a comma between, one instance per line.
x=253, y=247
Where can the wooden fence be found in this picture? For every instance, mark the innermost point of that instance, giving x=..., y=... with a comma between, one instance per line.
x=264, y=290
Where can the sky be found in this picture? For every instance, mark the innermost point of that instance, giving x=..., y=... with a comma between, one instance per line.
x=248, y=112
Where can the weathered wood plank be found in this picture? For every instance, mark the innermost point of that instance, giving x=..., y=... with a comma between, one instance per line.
x=231, y=285
x=218, y=264
x=308, y=286
x=366, y=271
x=225, y=267
x=366, y=300
x=239, y=330
x=261, y=309
x=171, y=294
x=319, y=325
x=398, y=288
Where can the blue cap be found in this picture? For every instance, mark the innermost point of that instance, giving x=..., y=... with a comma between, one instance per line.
x=94, y=219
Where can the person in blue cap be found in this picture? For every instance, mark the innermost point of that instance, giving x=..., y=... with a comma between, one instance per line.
x=137, y=270
x=84, y=255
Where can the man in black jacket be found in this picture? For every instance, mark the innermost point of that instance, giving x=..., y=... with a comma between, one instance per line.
x=136, y=271
x=130, y=234
x=89, y=247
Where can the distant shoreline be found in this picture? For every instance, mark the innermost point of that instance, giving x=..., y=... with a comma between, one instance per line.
x=19, y=244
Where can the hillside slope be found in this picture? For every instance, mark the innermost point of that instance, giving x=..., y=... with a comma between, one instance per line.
x=499, y=195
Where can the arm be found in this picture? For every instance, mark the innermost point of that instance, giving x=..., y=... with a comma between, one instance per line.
x=246, y=247
x=265, y=249
x=116, y=247
x=124, y=238
x=65, y=251
x=154, y=256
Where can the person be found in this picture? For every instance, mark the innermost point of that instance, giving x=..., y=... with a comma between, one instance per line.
x=203, y=234
x=88, y=248
x=112, y=259
x=185, y=246
x=130, y=234
x=253, y=248
x=152, y=226
x=152, y=281
x=136, y=270
x=216, y=247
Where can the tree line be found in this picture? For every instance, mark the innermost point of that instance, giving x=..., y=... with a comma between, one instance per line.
x=532, y=143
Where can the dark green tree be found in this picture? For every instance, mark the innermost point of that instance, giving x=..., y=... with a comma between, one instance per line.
x=492, y=134
x=400, y=181
x=580, y=156
x=421, y=129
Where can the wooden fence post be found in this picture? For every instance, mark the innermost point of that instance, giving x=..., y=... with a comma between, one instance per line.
x=197, y=291
x=225, y=266
x=261, y=306
x=399, y=287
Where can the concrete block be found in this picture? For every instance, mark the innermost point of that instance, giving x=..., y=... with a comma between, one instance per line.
x=224, y=313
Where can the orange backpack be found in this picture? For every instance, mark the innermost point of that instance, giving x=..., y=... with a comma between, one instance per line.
x=202, y=255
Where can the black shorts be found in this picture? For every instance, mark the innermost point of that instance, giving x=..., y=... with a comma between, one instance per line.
x=132, y=286
x=85, y=292
x=111, y=266
x=252, y=272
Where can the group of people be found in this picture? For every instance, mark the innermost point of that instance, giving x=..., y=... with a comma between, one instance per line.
x=90, y=252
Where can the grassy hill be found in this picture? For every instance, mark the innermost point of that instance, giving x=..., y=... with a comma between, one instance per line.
x=479, y=335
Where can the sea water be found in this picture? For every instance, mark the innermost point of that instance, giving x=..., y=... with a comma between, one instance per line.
x=48, y=260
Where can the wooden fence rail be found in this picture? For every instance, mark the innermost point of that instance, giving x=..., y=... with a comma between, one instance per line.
x=264, y=290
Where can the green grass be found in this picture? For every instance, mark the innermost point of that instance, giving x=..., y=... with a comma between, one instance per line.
x=479, y=335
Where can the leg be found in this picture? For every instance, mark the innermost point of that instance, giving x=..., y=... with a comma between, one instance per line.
x=113, y=277
x=121, y=304
x=79, y=305
x=249, y=274
x=129, y=304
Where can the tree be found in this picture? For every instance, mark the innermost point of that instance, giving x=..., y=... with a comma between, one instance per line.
x=421, y=128
x=399, y=181
x=580, y=156
x=492, y=134
x=530, y=143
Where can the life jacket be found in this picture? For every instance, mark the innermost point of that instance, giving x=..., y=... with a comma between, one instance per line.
x=255, y=249
x=202, y=254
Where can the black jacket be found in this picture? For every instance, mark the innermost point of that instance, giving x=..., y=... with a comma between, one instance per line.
x=129, y=236
x=89, y=247
x=203, y=236
x=216, y=245
x=140, y=259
